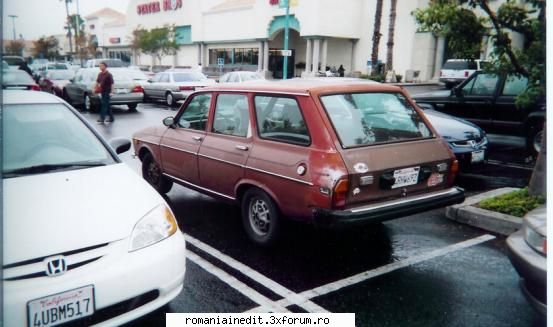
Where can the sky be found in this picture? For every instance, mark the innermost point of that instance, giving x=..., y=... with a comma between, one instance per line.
x=36, y=18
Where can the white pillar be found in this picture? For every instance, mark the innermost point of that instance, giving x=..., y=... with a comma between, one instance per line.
x=260, y=57
x=308, y=57
x=199, y=58
x=324, y=54
x=266, y=56
x=440, y=48
x=316, y=54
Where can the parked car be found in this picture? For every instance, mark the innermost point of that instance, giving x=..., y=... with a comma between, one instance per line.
x=15, y=79
x=17, y=62
x=240, y=76
x=454, y=71
x=175, y=84
x=488, y=100
x=55, y=80
x=126, y=91
x=5, y=65
x=528, y=254
x=74, y=250
x=320, y=152
x=110, y=62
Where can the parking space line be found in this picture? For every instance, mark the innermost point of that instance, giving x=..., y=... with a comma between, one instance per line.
x=364, y=276
x=290, y=296
x=249, y=292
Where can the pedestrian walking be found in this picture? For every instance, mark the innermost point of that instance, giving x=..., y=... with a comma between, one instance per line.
x=341, y=71
x=104, y=86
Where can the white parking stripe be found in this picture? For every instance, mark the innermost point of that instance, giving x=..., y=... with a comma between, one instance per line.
x=252, y=294
x=290, y=296
x=361, y=277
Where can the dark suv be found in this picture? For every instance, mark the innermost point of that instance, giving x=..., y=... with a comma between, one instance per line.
x=488, y=100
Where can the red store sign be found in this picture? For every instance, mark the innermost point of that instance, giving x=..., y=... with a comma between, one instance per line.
x=273, y=2
x=154, y=7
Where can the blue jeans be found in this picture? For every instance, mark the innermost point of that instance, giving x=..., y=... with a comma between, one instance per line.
x=105, y=110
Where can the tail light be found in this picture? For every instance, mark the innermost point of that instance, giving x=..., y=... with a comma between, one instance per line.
x=339, y=194
x=138, y=89
x=466, y=74
x=186, y=88
x=453, y=172
x=35, y=87
x=441, y=73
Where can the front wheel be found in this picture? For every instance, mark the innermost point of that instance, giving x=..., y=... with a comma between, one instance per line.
x=132, y=106
x=169, y=99
x=534, y=139
x=152, y=173
x=260, y=217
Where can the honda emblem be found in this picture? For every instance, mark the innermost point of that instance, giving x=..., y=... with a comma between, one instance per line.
x=55, y=265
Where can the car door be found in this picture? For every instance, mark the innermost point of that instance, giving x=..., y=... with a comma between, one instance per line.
x=227, y=144
x=476, y=99
x=71, y=89
x=180, y=144
x=150, y=87
x=164, y=84
x=507, y=117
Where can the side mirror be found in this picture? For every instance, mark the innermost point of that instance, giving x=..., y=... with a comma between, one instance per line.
x=149, y=80
x=169, y=122
x=120, y=144
x=457, y=91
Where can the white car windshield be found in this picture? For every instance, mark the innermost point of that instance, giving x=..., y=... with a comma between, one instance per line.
x=188, y=77
x=371, y=118
x=40, y=138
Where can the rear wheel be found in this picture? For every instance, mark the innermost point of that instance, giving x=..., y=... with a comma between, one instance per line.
x=260, y=217
x=132, y=106
x=152, y=173
x=169, y=100
x=87, y=104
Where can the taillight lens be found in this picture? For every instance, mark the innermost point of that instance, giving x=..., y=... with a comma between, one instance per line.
x=186, y=88
x=35, y=87
x=453, y=170
x=340, y=193
x=466, y=74
x=138, y=89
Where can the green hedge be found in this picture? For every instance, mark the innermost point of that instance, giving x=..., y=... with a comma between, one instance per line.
x=516, y=203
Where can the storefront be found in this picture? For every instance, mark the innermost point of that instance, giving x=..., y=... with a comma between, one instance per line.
x=226, y=35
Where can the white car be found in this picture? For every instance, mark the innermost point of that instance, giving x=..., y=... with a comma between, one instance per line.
x=240, y=76
x=85, y=239
x=454, y=71
x=173, y=85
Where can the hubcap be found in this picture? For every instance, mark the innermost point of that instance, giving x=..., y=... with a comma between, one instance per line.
x=169, y=99
x=153, y=173
x=537, y=141
x=260, y=218
x=87, y=102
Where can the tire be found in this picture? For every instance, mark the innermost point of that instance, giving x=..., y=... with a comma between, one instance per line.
x=534, y=139
x=132, y=106
x=169, y=100
x=87, y=104
x=260, y=217
x=152, y=173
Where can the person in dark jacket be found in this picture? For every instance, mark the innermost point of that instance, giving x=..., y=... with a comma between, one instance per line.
x=341, y=71
x=104, y=84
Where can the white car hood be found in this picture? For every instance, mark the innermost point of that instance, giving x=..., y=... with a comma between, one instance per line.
x=51, y=213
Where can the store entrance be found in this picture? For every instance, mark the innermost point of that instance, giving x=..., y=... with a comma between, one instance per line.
x=276, y=63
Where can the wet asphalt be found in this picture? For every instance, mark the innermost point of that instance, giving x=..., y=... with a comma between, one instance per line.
x=421, y=270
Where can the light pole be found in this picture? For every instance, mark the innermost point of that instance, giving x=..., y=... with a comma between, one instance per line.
x=13, y=17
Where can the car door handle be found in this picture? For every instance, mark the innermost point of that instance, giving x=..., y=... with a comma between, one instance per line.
x=241, y=147
x=197, y=138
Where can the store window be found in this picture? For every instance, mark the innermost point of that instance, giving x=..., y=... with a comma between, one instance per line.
x=234, y=56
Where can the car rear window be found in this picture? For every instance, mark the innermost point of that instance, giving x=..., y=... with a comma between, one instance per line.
x=460, y=65
x=362, y=119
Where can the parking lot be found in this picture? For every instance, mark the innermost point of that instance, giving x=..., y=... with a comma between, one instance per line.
x=421, y=270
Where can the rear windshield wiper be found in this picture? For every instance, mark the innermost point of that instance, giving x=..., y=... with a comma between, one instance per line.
x=49, y=167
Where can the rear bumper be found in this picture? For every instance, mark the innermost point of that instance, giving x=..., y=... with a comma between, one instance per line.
x=388, y=210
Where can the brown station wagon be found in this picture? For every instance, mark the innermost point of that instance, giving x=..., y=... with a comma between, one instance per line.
x=328, y=153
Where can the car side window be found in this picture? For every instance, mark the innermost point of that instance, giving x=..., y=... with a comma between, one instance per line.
x=234, y=78
x=280, y=119
x=515, y=85
x=164, y=78
x=156, y=78
x=232, y=116
x=196, y=113
x=482, y=84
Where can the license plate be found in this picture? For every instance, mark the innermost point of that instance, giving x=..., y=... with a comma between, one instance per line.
x=62, y=307
x=477, y=156
x=121, y=91
x=406, y=176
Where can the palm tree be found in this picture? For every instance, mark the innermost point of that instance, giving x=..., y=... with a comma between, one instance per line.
x=391, y=31
x=376, y=34
x=68, y=20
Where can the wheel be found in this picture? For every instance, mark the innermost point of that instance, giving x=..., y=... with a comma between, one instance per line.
x=132, y=106
x=169, y=100
x=87, y=104
x=152, y=173
x=260, y=217
x=534, y=139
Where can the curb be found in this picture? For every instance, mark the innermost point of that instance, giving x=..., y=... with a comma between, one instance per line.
x=467, y=213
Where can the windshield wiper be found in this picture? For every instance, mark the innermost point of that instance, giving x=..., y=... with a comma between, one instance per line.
x=49, y=167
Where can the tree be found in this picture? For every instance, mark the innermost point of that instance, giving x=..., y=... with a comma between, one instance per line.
x=15, y=47
x=376, y=35
x=68, y=27
x=391, y=32
x=158, y=42
x=46, y=47
x=76, y=22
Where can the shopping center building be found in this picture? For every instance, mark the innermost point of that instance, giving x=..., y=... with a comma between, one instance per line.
x=249, y=35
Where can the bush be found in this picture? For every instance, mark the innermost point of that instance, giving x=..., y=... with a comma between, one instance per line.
x=377, y=78
x=516, y=203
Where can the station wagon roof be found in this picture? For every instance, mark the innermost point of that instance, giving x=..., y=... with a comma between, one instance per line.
x=306, y=86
